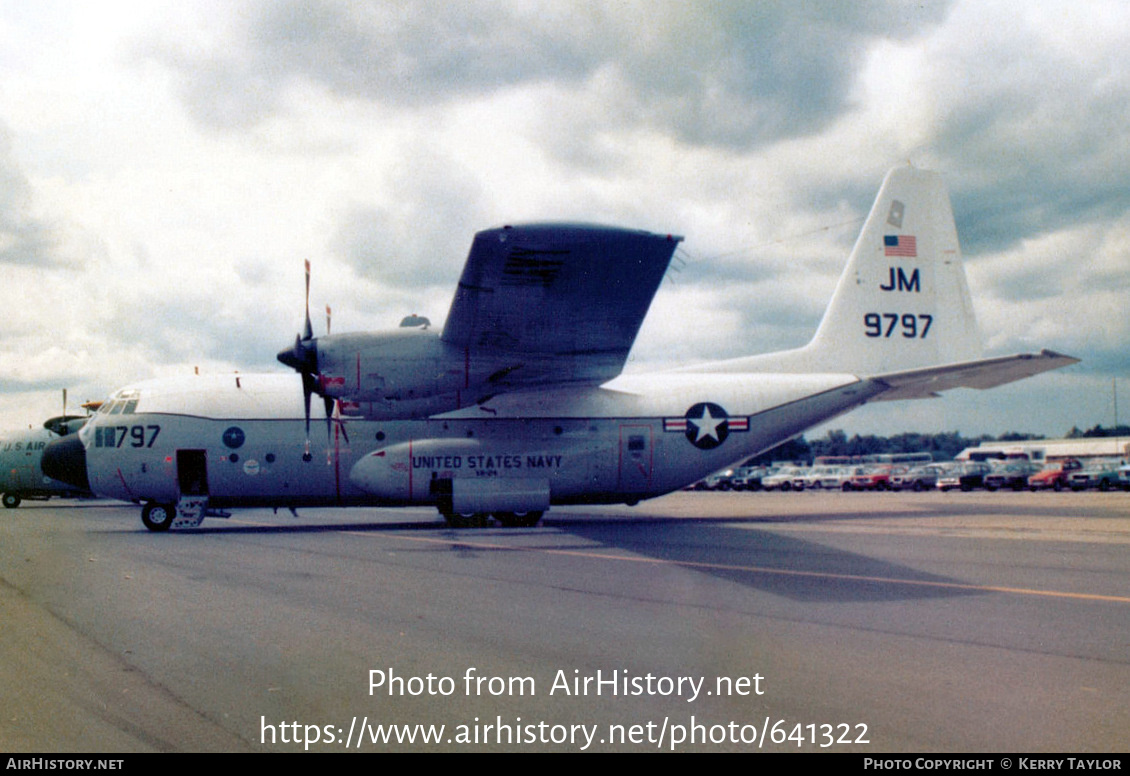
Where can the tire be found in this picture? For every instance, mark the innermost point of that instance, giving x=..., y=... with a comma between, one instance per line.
x=158, y=517
x=518, y=519
x=11, y=500
x=1058, y=486
x=472, y=520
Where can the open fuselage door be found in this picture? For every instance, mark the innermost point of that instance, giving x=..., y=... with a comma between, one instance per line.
x=192, y=485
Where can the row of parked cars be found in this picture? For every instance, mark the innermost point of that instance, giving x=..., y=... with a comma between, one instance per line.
x=1014, y=474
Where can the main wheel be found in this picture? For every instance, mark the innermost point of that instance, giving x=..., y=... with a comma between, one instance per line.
x=158, y=517
x=518, y=519
x=11, y=501
x=465, y=520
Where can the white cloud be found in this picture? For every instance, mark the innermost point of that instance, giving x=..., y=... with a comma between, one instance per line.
x=168, y=167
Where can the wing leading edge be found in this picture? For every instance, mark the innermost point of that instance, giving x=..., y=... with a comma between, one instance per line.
x=571, y=294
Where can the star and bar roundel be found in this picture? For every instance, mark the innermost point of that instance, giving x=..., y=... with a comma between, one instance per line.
x=706, y=425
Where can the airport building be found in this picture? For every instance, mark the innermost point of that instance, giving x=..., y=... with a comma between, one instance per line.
x=1050, y=449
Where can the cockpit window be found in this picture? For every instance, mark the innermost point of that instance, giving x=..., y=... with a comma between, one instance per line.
x=124, y=403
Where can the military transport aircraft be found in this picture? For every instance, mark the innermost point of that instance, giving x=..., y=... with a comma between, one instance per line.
x=20, y=453
x=519, y=404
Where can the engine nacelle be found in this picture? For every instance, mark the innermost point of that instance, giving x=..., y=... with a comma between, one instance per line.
x=400, y=365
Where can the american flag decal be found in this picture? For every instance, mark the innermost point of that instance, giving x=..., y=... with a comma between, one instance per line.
x=900, y=245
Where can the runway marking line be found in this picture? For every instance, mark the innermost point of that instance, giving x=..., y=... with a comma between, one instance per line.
x=767, y=570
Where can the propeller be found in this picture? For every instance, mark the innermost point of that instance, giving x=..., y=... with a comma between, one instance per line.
x=61, y=425
x=303, y=358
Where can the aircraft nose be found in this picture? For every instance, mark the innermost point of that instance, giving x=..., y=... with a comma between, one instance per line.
x=65, y=460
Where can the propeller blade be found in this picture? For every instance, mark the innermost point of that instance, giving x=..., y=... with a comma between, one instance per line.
x=308, y=330
x=307, y=389
x=333, y=415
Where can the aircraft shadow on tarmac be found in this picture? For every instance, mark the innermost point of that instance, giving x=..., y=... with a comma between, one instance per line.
x=726, y=548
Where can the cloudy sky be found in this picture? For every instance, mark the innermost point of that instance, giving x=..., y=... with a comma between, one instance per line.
x=166, y=167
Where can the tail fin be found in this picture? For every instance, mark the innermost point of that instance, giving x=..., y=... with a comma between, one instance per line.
x=903, y=301
x=901, y=315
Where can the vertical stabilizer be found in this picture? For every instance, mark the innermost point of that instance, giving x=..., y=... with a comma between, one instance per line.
x=903, y=301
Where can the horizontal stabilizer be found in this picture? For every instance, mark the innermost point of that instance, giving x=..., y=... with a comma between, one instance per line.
x=981, y=374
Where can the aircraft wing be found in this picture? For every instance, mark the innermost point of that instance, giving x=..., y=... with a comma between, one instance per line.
x=557, y=301
x=983, y=373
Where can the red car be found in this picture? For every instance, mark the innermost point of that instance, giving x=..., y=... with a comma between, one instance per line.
x=1055, y=475
x=878, y=478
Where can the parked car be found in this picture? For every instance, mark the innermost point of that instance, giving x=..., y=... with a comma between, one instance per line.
x=782, y=479
x=1055, y=475
x=748, y=477
x=823, y=477
x=1013, y=474
x=1103, y=476
x=919, y=478
x=722, y=480
x=875, y=478
x=964, y=476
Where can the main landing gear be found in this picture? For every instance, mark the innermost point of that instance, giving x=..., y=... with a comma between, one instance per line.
x=480, y=519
